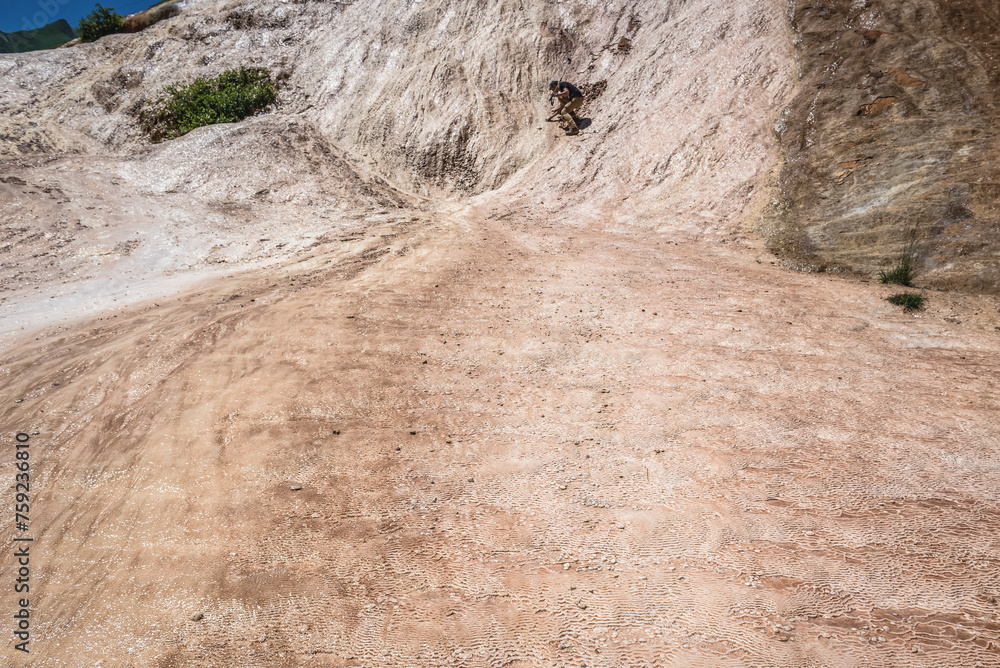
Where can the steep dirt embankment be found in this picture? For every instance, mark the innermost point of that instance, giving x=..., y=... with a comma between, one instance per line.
x=895, y=129
x=892, y=127
x=439, y=99
x=682, y=94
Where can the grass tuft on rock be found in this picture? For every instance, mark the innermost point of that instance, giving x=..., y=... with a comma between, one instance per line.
x=905, y=270
x=902, y=274
x=100, y=22
x=910, y=301
x=226, y=98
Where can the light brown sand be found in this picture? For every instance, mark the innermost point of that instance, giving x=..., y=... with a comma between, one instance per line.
x=517, y=444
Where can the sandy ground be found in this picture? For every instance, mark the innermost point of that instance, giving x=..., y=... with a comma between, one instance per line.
x=87, y=234
x=472, y=439
x=450, y=389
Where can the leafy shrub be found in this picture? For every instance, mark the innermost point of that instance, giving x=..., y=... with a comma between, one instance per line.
x=905, y=270
x=911, y=301
x=227, y=98
x=98, y=23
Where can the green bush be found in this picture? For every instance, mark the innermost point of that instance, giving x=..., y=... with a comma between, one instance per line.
x=906, y=268
x=227, y=98
x=911, y=301
x=901, y=274
x=98, y=23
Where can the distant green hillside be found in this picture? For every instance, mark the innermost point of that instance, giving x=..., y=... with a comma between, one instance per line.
x=48, y=37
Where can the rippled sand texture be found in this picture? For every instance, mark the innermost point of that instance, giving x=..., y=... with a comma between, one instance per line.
x=535, y=402
x=517, y=444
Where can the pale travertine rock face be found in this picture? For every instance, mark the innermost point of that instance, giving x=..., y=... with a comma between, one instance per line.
x=437, y=99
x=396, y=374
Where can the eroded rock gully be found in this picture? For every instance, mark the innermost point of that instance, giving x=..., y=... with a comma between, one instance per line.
x=522, y=401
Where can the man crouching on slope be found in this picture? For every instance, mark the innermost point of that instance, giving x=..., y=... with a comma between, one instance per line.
x=570, y=98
